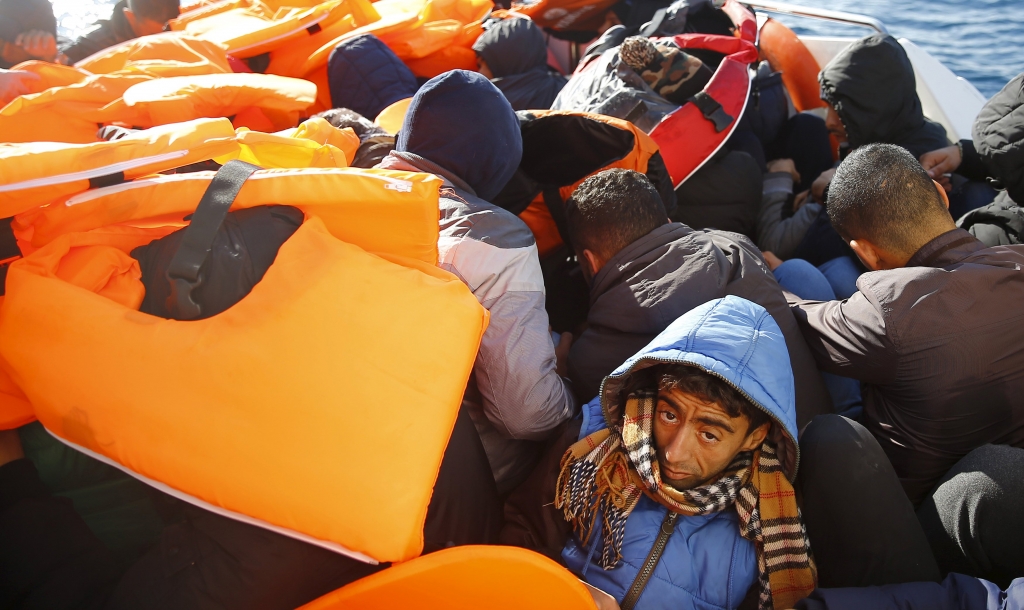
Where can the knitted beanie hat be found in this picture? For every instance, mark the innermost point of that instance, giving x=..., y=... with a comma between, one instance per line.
x=671, y=73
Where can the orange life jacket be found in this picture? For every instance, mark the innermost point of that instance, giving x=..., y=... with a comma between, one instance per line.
x=228, y=412
x=465, y=578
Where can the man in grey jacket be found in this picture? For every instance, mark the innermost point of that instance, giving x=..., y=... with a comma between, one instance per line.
x=645, y=271
x=516, y=395
x=935, y=334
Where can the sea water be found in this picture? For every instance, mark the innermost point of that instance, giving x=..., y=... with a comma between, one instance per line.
x=980, y=40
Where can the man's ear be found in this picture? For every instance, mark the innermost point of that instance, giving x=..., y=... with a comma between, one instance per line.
x=942, y=193
x=756, y=436
x=593, y=262
x=867, y=253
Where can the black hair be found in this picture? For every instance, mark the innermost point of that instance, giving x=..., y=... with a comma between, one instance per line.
x=881, y=193
x=696, y=382
x=612, y=209
x=160, y=11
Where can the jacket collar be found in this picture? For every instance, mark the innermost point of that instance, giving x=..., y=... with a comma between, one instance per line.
x=406, y=161
x=949, y=248
x=611, y=273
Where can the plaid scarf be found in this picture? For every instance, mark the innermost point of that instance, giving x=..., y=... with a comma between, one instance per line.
x=607, y=472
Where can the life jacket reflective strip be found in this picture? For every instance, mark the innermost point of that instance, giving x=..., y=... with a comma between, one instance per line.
x=36, y=173
x=687, y=138
x=537, y=215
x=319, y=405
x=465, y=578
x=389, y=213
x=254, y=28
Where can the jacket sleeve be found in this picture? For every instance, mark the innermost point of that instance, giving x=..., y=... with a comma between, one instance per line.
x=523, y=396
x=848, y=337
x=775, y=234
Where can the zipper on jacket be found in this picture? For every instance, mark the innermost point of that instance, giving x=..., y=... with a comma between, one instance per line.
x=644, y=575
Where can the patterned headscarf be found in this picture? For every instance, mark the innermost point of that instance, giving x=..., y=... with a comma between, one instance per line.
x=607, y=472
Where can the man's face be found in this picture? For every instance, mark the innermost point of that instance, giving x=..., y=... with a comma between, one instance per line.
x=696, y=440
x=141, y=25
x=835, y=125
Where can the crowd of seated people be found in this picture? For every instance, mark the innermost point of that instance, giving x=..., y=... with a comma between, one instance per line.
x=822, y=410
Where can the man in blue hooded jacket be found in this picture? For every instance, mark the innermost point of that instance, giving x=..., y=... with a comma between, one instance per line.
x=681, y=494
x=461, y=128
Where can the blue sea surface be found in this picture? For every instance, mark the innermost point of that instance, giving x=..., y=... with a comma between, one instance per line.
x=981, y=40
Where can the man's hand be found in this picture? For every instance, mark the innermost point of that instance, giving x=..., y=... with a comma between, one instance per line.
x=940, y=162
x=38, y=44
x=14, y=83
x=772, y=260
x=801, y=198
x=602, y=599
x=821, y=183
x=785, y=165
x=562, y=354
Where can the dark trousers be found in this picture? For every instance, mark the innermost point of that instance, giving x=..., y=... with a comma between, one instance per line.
x=50, y=559
x=864, y=531
x=861, y=525
x=973, y=517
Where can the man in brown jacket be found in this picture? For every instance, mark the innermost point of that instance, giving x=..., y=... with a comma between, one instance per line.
x=936, y=335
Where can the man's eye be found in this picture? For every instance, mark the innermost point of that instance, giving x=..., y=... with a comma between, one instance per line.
x=668, y=416
x=707, y=436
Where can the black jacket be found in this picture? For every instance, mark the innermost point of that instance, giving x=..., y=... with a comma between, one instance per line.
x=517, y=55
x=105, y=34
x=998, y=136
x=997, y=152
x=871, y=85
x=665, y=274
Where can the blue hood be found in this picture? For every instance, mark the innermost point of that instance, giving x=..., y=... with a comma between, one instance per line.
x=737, y=341
x=366, y=76
x=462, y=123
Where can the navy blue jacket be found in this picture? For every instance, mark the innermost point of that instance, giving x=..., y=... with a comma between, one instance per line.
x=366, y=76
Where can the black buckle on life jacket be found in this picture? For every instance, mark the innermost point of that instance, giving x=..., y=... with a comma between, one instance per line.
x=712, y=111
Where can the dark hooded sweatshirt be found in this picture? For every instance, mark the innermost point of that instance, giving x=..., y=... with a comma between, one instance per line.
x=515, y=397
x=665, y=274
x=366, y=76
x=871, y=85
x=517, y=55
x=105, y=34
